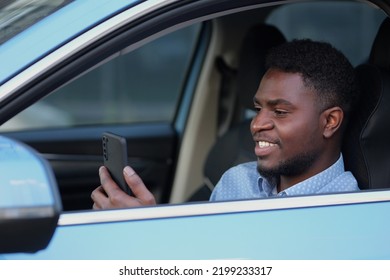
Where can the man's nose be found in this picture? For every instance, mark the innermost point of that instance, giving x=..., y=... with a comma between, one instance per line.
x=261, y=122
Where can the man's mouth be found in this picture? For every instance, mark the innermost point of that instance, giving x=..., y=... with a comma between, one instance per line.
x=265, y=144
x=264, y=148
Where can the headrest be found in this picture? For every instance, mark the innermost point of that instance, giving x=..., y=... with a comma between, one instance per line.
x=251, y=68
x=380, y=52
x=366, y=143
x=366, y=147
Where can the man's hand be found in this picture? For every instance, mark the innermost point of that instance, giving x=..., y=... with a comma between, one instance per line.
x=110, y=195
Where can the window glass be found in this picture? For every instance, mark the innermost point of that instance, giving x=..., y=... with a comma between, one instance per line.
x=349, y=26
x=140, y=86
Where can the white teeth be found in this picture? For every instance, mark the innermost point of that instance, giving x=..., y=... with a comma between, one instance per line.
x=263, y=144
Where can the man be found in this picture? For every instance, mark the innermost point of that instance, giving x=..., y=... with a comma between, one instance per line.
x=303, y=103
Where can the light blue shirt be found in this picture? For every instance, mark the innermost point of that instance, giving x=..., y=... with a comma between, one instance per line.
x=244, y=182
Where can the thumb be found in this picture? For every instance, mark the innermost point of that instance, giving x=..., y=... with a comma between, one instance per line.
x=137, y=186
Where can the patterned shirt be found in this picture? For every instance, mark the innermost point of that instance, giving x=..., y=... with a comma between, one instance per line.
x=244, y=182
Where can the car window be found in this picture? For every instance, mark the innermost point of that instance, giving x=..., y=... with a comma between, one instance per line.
x=349, y=26
x=140, y=86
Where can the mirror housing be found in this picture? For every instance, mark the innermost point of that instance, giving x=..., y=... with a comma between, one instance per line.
x=30, y=203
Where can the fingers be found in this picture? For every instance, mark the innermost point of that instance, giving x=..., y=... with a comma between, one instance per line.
x=138, y=187
x=110, y=195
x=99, y=197
x=107, y=183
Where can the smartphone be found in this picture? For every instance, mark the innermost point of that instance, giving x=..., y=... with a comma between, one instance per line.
x=115, y=158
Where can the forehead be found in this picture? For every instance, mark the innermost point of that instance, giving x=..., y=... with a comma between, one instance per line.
x=277, y=84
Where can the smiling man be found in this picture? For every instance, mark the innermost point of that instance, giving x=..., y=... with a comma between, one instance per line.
x=303, y=103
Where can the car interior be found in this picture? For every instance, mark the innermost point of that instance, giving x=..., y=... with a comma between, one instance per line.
x=365, y=149
x=181, y=158
x=362, y=157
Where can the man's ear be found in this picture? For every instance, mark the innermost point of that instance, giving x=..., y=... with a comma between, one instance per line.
x=332, y=120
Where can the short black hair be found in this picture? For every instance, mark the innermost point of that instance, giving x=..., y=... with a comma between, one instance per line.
x=323, y=68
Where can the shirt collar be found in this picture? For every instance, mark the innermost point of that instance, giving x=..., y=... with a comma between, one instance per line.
x=309, y=186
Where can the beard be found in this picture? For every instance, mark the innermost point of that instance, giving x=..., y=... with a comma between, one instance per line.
x=291, y=167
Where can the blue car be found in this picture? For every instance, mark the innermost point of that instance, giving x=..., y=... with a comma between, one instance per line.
x=164, y=74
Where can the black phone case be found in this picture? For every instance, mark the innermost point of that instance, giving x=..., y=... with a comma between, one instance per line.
x=115, y=158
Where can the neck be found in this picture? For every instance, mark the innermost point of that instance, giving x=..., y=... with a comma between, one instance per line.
x=286, y=181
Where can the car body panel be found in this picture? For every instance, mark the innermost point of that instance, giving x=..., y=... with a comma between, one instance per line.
x=354, y=230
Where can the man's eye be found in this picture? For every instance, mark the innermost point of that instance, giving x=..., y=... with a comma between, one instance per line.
x=280, y=112
x=257, y=109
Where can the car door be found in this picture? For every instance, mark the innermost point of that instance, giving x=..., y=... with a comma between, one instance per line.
x=308, y=227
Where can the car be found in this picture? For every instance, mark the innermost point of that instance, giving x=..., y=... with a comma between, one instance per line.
x=163, y=74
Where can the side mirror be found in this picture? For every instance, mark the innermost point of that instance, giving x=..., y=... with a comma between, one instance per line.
x=30, y=204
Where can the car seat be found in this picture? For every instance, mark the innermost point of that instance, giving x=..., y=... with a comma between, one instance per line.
x=366, y=148
x=236, y=144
